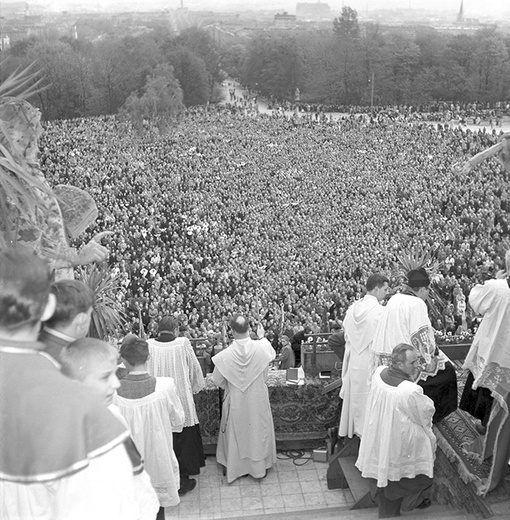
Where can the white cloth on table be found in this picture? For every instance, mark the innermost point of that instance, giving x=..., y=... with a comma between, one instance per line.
x=152, y=420
x=360, y=324
x=246, y=441
x=398, y=441
x=177, y=359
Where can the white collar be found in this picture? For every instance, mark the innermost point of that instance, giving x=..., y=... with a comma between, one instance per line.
x=60, y=335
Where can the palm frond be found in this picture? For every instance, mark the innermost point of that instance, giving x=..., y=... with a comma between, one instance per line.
x=108, y=315
x=19, y=187
x=22, y=84
x=418, y=257
x=423, y=257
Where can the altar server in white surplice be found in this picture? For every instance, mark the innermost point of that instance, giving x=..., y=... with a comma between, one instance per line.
x=360, y=324
x=153, y=411
x=398, y=446
x=246, y=442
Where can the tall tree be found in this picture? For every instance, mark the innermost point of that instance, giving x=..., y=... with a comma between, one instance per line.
x=349, y=66
x=200, y=43
x=62, y=99
x=232, y=59
x=272, y=66
x=347, y=26
x=490, y=69
x=107, y=76
x=160, y=102
x=316, y=51
x=401, y=57
x=191, y=72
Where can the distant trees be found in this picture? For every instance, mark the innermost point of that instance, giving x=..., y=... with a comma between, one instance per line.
x=160, y=102
x=97, y=74
x=90, y=78
x=192, y=74
x=200, y=43
x=272, y=66
x=409, y=64
x=346, y=27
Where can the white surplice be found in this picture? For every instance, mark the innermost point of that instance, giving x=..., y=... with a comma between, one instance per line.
x=488, y=360
x=177, y=359
x=405, y=320
x=491, y=347
x=359, y=325
x=246, y=442
x=105, y=490
x=398, y=441
x=152, y=420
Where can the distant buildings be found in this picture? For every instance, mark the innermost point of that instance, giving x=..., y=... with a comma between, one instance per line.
x=313, y=12
x=284, y=21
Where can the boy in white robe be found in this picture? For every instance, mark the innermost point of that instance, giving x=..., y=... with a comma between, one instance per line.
x=93, y=363
x=153, y=412
x=62, y=454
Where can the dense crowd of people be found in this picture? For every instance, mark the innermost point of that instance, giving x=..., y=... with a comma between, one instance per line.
x=249, y=213
x=442, y=112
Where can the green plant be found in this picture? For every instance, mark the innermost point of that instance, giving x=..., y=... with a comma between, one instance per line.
x=108, y=316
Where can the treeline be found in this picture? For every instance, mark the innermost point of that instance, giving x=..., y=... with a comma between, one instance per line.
x=408, y=65
x=154, y=75
x=86, y=78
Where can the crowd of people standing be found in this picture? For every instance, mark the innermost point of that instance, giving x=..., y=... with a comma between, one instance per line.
x=233, y=213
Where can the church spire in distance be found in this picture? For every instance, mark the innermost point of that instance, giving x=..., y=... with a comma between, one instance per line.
x=460, y=16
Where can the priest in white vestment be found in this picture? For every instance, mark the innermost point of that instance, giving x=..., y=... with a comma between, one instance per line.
x=360, y=323
x=246, y=442
x=405, y=320
x=173, y=356
x=398, y=446
x=487, y=389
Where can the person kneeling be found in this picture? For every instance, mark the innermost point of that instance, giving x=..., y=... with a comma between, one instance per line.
x=398, y=446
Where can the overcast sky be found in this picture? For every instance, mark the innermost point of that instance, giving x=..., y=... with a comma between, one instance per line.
x=472, y=8
x=495, y=9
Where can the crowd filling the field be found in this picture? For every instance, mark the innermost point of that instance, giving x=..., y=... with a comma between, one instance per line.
x=234, y=211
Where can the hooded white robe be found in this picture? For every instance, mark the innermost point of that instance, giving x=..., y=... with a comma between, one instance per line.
x=360, y=324
x=246, y=441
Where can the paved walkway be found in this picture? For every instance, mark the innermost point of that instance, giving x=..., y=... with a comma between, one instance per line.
x=263, y=109
x=288, y=487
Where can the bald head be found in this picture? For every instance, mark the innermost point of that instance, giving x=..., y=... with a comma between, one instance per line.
x=239, y=325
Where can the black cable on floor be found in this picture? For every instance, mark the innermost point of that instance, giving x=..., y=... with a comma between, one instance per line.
x=298, y=457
